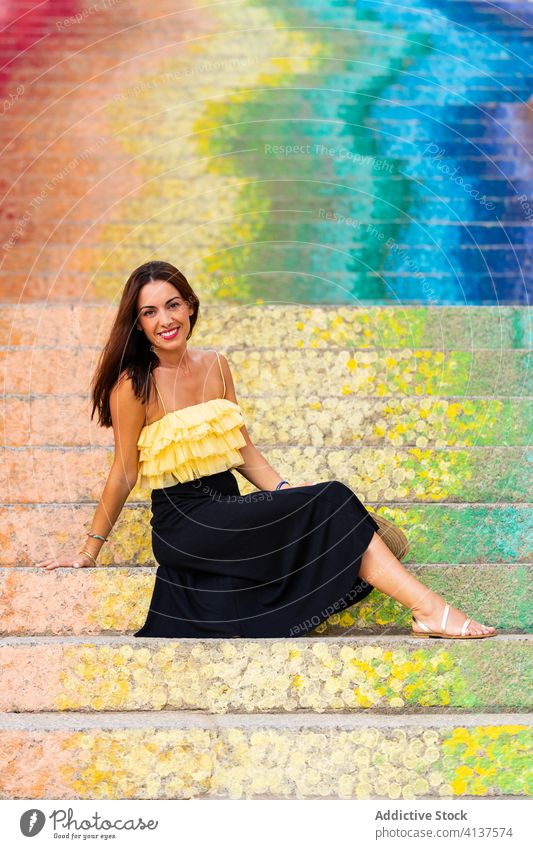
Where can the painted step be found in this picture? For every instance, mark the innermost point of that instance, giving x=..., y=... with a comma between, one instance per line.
x=437, y=533
x=385, y=673
x=33, y=474
x=285, y=253
x=167, y=755
x=480, y=288
x=233, y=325
x=325, y=215
x=377, y=287
x=115, y=600
x=349, y=420
x=391, y=371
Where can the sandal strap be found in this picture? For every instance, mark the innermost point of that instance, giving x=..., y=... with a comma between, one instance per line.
x=445, y=618
x=418, y=622
x=466, y=623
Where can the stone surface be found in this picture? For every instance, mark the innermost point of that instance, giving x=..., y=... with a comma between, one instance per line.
x=382, y=673
x=404, y=372
x=114, y=600
x=301, y=757
x=467, y=475
x=437, y=533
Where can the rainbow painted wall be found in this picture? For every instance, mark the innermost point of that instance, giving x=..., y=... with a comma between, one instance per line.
x=360, y=153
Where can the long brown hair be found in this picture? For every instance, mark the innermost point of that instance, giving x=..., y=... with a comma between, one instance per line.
x=127, y=350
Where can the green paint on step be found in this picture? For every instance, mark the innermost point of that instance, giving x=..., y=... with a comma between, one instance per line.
x=488, y=760
x=495, y=595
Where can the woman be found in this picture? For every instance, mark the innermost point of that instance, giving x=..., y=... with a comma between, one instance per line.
x=274, y=563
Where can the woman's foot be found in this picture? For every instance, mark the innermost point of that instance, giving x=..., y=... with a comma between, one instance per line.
x=441, y=619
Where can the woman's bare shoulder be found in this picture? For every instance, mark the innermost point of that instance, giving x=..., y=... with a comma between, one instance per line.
x=204, y=357
x=124, y=390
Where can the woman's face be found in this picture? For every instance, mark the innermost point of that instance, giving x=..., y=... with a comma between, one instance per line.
x=161, y=307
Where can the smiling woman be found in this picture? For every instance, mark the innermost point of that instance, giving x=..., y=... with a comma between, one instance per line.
x=274, y=563
x=150, y=318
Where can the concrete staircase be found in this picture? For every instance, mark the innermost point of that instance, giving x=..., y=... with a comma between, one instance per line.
x=426, y=414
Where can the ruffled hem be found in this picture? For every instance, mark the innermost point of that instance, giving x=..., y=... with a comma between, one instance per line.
x=199, y=467
x=190, y=424
x=179, y=454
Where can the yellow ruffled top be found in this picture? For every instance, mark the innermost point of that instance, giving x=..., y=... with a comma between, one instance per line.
x=185, y=444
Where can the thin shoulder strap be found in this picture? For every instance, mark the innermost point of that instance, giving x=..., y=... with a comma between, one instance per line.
x=159, y=393
x=222, y=373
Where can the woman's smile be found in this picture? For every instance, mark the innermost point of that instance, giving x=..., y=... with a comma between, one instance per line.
x=170, y=334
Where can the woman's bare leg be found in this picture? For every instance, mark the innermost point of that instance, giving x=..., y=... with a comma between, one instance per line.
x=384, y=571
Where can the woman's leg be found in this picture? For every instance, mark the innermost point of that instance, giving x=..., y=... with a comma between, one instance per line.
x=384, y=571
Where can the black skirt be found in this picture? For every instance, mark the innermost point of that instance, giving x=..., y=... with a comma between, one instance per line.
x=266, y=564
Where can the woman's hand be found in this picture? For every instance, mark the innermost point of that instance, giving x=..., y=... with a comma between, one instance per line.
x=76, y=560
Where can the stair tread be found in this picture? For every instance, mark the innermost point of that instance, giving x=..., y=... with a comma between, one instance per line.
x=394, y=640
x=51, y=721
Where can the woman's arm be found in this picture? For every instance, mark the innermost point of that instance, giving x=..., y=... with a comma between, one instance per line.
x=112, y=500
x=255, y=468
x=127, y=416
x=108, y=510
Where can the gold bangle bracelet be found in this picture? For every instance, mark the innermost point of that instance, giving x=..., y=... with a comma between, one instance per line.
x=88, y=553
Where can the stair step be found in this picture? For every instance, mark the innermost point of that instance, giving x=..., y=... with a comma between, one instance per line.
x=324, y=219
x=402, y=372
x=168, y=755
x=511, y=288
x=105, y=600
x=263, y=257
x=225, y=326
x=348, y=420
x=437, y=533
x=382, y=673
x=470, y=475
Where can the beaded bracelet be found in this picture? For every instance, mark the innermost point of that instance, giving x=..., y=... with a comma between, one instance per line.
x=280, y=484
x=97, y=536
